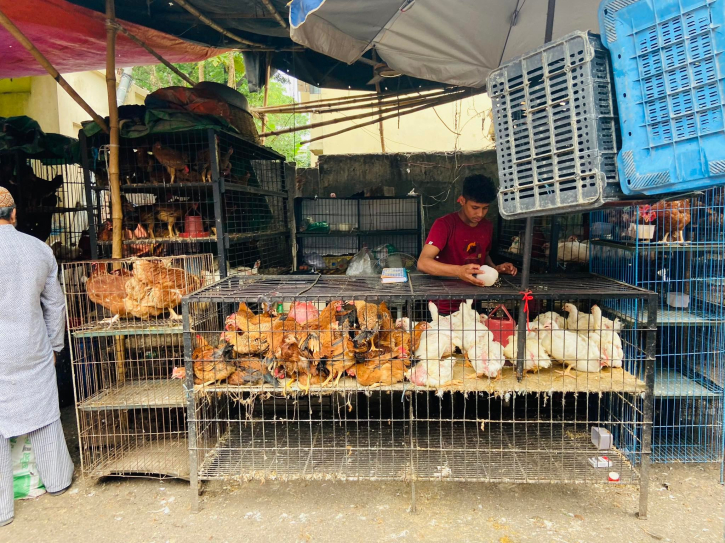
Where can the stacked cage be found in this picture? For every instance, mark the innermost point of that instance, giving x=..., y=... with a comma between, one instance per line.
x=195, y=191
x=559, y=242
x=677, y=249
x=345, y=378
x=127, y=359
x=51, y=200
x=330, y=231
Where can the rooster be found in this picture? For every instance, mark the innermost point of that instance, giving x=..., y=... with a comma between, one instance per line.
x=672, y=218
x=171, y=159
x=203, y=162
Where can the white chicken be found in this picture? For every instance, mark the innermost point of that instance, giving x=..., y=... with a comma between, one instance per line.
x=477, y=342
x=434, y=345
x=515, y=245
x=536, y=356
x=433, y=373
x=570, y=348
x=576, y=321
x=610, y=342
x=549, y=316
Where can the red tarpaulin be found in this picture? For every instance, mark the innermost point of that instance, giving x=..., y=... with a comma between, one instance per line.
x=73, y=39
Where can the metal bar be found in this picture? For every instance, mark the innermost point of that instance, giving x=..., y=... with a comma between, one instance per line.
x=190, y=410
x=525, y=274
x=550, y=10
x=89, y=196
x=648, y=411
x=254, y=190
x=554, y=244
x=216, y=180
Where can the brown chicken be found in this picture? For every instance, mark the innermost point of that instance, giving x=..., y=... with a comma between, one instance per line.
x=293, y=360
x=171, y=159
x=203, y=162
x=368, y=319
x=405, y=342
x=380, y=372
x=672, y=218
x=169, y=215
x=212, y=364
x=151, y=289
x=252, y=372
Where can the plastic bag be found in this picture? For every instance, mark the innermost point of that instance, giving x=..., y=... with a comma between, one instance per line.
x=26, y=479
x=362, y=263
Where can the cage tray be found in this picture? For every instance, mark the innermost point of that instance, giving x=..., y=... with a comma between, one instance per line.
x=168, y=457
x=137, y=395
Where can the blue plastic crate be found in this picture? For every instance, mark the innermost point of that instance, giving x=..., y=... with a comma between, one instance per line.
x=556, y=129
x=668, y=73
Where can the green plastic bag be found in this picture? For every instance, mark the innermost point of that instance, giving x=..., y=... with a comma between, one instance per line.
x=26, y=479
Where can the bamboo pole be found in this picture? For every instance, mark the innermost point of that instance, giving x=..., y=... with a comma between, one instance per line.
x=45, y=63
x=274, y=13
x=154, y=54
x=206, y=20
x=267, y=72
x=113, y=163
x=384, y=118
x=439, y=101
x=377, y=91
x=368, y=97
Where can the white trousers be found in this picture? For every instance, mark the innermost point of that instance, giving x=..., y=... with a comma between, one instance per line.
x=51, y=455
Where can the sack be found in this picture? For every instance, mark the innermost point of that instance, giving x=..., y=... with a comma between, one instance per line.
x=362, y=264
x=26, y=479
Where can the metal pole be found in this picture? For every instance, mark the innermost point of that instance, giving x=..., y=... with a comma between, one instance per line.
x=190, y=413
x=267, y=73
x=218, y=192
x=525, y=272
x=648, y=411
x=89, y=196
x=554, y=244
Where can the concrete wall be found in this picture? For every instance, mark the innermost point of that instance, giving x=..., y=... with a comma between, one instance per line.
x=436, y=176
x=42, y=99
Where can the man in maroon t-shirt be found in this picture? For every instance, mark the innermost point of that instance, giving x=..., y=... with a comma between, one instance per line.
x=458, y=244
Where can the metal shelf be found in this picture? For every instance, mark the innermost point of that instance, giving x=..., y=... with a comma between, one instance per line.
x=138, y=395
x=130, y=327
x=165, y=457
x=655, y=246
x=457, y=451
x=228, y=185
x=673, y=384
x=339, y=233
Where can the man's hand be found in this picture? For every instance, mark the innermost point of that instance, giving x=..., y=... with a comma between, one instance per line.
x=507, y=269
x=468, y=272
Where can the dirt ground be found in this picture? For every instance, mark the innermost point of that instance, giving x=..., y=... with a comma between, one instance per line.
x=686, y=505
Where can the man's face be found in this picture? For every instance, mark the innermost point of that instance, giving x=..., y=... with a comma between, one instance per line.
x=474, y=211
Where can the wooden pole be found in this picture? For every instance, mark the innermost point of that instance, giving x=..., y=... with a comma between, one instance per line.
x=201, y=71
x=267, y=72
x=231, y=71
x=377, y=90
x=154, y=54
x=274, y=13
x=45, y=63
x=384, y=118
x=207, y=21
x=113, y=163
x=429, y=103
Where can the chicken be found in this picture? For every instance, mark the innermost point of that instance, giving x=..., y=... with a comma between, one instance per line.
x=303, y=312
x=252, y=372
x=572, y=250
x=293, y=360
x=368, y=321
x=672, y=218
x=404, y=341
x=212, y=364
x=486, y=355
x=433, y=373
x=610, y=342
x=171, y=159
x=570, y=348
x=203, y=162
x=380, y=372
x=169, y=215
x=549, y=316
x=151, y=289
x=515, y=245
x=536, y=356
x=576, y=321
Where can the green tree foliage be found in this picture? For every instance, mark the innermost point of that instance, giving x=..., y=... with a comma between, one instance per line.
x=155, y=77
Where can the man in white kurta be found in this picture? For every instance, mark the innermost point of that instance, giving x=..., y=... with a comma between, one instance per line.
x=32, y=324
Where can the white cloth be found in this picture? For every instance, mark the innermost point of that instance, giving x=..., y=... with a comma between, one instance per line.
x=32, y=324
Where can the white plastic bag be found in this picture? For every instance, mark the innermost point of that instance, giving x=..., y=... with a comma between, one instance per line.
x=26, y=479
x=362, y=264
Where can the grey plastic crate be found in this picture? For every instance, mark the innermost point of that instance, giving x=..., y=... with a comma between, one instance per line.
x=556, y=129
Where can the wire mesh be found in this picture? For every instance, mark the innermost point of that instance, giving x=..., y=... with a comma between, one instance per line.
x=566, y=235
x=676, y=249
x=127, y=358
x=333, y=377
x=51, y=202
x=330, y=231
x=196, y=191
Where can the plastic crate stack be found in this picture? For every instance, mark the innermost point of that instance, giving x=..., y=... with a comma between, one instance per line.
x=330, y=231
x=668, y=70
x=191, y=192
x=677, y=249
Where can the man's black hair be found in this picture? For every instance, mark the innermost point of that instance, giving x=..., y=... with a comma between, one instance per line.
x=479, y=188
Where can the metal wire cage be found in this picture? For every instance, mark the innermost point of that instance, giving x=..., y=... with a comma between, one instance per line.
x=334, y=377
x=330, y=231
x=192, y=192
x=127, y=355
x=559, y=242
x=51, y=200
x=677, y=249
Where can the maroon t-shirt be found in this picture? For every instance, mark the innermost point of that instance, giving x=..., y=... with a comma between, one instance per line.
x=459, y=244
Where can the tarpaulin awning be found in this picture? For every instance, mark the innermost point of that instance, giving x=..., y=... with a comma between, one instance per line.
x=24, y=134
x=73, y=39
x=453, y=41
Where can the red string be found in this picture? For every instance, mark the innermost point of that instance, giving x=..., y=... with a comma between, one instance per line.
x=527, y=297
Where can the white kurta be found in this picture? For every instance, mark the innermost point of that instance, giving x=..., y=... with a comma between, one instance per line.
x=32, y=324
